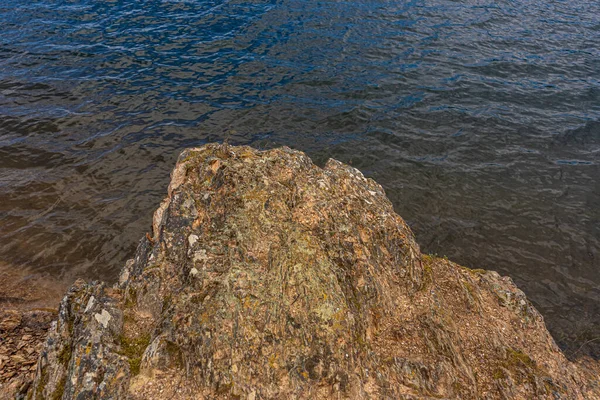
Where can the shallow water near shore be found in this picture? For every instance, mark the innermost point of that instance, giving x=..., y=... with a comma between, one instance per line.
x=480, y=119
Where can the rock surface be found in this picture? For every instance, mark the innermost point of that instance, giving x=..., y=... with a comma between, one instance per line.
x=266, y=276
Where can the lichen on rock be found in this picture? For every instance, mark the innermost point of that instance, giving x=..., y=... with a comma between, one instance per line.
x=266, y=276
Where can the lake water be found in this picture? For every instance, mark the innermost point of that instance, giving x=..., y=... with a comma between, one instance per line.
x=481, y=119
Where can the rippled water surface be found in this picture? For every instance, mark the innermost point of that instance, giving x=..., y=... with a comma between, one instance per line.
x=480, y=118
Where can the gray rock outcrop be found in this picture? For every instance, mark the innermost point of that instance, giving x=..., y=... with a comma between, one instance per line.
x=267, y=277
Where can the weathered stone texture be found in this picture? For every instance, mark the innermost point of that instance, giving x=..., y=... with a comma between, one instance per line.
x=266, y=276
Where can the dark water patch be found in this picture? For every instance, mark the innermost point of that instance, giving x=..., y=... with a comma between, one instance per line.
x=22, y=157
x=11, y=127
x=582, y=137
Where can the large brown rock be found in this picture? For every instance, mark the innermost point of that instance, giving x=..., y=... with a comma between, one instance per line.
x=266, y=276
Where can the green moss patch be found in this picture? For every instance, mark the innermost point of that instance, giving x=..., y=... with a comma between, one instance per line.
x=133, y=349
x=42, y=384
x=517, y=358
x=65, y=356
x=60, y=388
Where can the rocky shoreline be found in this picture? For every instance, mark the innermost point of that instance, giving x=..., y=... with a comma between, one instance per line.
x=28, y=305
x=23, y=334
x=266, y=276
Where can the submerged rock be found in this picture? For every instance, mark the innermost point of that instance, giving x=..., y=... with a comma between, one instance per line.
x=266, y=276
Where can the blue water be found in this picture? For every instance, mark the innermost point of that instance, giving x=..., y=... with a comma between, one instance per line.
x=481, y=119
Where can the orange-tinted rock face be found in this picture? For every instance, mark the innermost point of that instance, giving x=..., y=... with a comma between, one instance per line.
x=266, y=276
